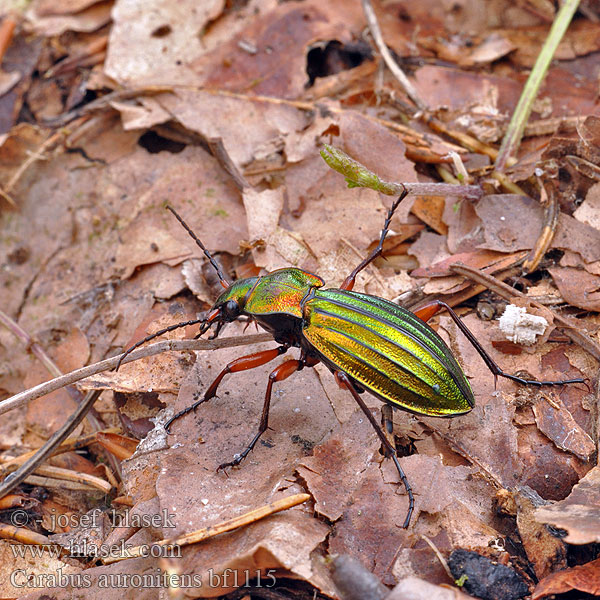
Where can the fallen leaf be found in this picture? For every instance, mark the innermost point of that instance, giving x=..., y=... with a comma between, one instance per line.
x=578, y=288
x=560, y=426
x=584, y=578
x=578, y=514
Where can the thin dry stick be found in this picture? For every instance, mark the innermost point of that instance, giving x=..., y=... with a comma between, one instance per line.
x=505, y=291
x=23, y=535
x=388, y=58
x=549, y=200
x=81, y=478
x=31, y=344
x=52, y=482
x=43, y=357
x=33, y=157
x=110, y=363
x=439, y=555
x=208, y=532
x=507, y=184
x=9, y=465
x=466, y=140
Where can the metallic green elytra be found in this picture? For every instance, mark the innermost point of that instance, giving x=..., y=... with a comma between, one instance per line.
x=388, y=351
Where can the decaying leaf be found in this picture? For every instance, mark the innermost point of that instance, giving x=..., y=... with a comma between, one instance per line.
x=584, y=578
x=578, y=514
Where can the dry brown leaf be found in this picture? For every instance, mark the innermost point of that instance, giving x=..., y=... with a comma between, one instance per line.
x=23, y=567
x=91, y=18
x=578, y=288
x=249, y=128
x=560, y=426
x=589, y=210
x=545, y=552
x=580, y=39
x=578, y=513
x=584, y=578
x=153, y=43
x=430, y=210
x=503, y=217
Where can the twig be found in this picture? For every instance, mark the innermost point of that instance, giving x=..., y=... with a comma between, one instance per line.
x=514, y=133
x=20, y=474
x=177, y=345
x=549, y=200
x=23, y=535
x=84, y=479
x=466, y=140
x=68, y=445
x=505, y=291
x=439, y=555
x=52, y=482
x=397, y=72
x=357, y=175
x=507, y=184
x=43, y=357
x=94, y=51
x=208, y=532
x=33, y=156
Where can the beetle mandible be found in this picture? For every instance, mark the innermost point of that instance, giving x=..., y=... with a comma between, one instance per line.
x=368, y=343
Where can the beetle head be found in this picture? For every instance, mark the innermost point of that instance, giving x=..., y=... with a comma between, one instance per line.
x=229, y=305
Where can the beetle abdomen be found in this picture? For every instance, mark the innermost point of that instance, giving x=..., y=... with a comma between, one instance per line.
x=387, y=350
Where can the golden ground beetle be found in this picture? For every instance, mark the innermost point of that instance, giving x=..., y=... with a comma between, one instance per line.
x=368, y=343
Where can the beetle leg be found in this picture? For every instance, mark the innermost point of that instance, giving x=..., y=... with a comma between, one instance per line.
x=283, y=371
x=240, y=364
x=431, y=308
x=349, y=281
x=344, y=381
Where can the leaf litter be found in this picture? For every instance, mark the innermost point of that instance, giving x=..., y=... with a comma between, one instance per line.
x=92, y=263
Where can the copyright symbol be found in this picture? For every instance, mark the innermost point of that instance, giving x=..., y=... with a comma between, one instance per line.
x=19, y=518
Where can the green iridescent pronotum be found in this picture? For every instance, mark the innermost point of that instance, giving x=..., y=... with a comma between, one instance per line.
x=368, y=343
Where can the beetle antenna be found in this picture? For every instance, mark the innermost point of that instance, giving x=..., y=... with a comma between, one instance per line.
x=158, y=334
x=213, y=262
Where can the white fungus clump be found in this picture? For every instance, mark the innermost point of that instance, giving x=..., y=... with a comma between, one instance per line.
x=520, y=327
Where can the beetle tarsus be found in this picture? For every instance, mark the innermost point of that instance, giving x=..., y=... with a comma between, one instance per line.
x=489, y=361
x=349, y=281
x=183, y=412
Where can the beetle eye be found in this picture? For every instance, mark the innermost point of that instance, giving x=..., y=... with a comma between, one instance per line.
x=230, y=310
